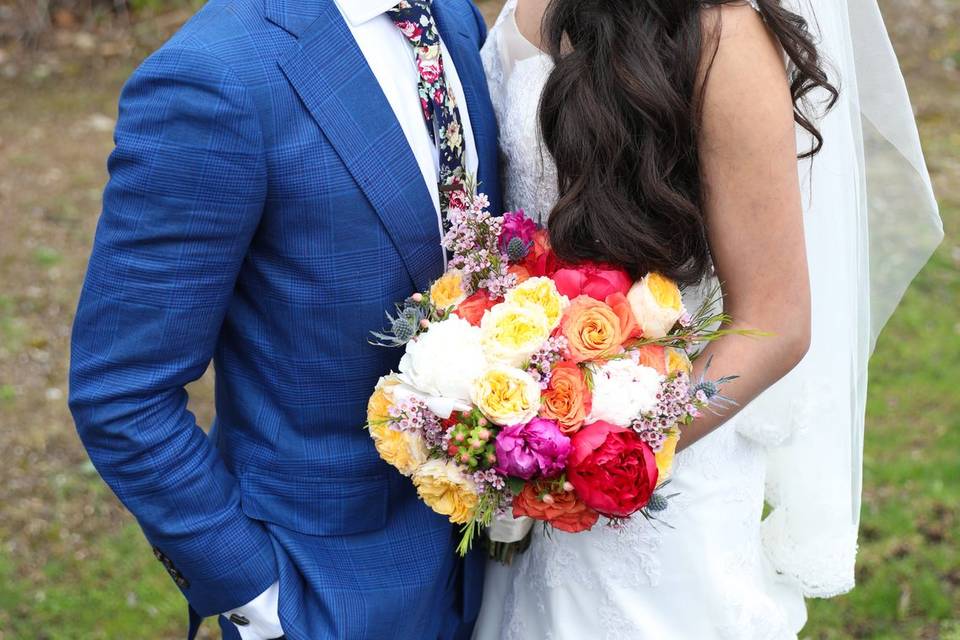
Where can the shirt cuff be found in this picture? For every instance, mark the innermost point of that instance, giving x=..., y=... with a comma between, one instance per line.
x=261, y=615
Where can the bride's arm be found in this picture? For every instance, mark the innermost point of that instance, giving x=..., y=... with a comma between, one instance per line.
x=753, y=211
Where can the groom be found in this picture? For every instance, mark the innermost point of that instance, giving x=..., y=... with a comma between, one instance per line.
x=275, y=187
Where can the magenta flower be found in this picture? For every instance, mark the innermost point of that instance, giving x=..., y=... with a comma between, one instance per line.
x=516, y=224
x=537, y=448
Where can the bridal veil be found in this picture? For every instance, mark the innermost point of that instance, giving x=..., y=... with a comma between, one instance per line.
x=871, y=223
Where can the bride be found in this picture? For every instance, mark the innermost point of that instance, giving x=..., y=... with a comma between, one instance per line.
x=665, y=135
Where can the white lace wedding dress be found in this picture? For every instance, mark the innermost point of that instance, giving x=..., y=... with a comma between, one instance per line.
x=701, y=574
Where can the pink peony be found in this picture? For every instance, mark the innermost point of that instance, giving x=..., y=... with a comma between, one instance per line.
x=537, y=448
x=594, y=280
x=516, y=224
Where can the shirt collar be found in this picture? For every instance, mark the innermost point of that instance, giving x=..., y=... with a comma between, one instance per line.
x=359, y=11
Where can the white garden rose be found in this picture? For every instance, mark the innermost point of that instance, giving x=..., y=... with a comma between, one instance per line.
x=656, y=304
x=507, y=396
x=444, y=361
x=623, y=391
x=511, y=333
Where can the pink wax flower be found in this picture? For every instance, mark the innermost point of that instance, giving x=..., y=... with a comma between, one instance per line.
x=516, y=224
x=537, y=448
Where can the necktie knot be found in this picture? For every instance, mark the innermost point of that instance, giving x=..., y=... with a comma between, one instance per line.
x=415, y=21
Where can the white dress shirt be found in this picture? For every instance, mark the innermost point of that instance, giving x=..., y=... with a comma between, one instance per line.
x=393, y=63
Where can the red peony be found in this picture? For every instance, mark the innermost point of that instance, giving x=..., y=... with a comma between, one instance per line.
x=612, y=470
x=473, y=308
x=596, y=281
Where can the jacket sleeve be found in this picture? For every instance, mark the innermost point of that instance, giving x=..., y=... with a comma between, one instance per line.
x=186, y=192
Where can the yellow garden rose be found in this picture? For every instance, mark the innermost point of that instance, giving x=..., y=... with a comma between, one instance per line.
x=678, y=360
x=540, y=293
x=656, y=304
x=511, y=333
x=378, y=406
x=506, y=395
x=448, y=290
x=665, y=457
x=447, y=490
x=404, y=450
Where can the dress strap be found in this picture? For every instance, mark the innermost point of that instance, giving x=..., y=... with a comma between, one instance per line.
x=508, y=8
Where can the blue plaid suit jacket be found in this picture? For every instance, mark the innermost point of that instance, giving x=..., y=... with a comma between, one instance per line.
x=263, y=211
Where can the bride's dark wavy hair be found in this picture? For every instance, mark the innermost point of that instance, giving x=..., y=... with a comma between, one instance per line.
x=620, y=115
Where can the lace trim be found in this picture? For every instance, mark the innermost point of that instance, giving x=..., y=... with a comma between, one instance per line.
x=822, y=563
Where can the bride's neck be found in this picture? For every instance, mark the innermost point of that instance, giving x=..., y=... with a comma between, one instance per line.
x=529, y=17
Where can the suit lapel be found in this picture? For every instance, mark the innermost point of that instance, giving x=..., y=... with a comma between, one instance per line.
x=334, y=81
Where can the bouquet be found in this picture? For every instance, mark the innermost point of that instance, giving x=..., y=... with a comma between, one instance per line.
x=534, y=388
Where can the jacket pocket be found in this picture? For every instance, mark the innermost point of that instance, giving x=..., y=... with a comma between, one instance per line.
x=316, y=506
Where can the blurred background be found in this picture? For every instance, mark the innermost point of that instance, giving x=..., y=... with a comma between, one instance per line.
x=73, y=564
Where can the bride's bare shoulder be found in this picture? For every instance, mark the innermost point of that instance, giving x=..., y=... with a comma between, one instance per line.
x=736, y=32
x=735, y=22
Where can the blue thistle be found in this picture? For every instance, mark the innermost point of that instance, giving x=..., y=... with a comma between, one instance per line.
x=709, y=388
x=403, y=328
x=658, y=502
x=517, y=249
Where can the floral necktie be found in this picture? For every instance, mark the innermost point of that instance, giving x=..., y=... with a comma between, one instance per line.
x=415, y=20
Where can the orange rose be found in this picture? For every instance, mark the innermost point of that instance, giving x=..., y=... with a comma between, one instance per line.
x=520, y=271
x=541, y=261
x=563, y=509
x=473, y=308
x=591, y=328
x=653, y=356
x=568, y=399
x=629, y=327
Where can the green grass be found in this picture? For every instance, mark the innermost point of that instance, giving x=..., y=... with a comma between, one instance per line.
x=120, y=593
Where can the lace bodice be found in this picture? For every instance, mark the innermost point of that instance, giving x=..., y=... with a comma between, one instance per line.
x=516, y=73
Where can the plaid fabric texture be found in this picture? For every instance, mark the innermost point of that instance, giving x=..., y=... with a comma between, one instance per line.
x=263, y=211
